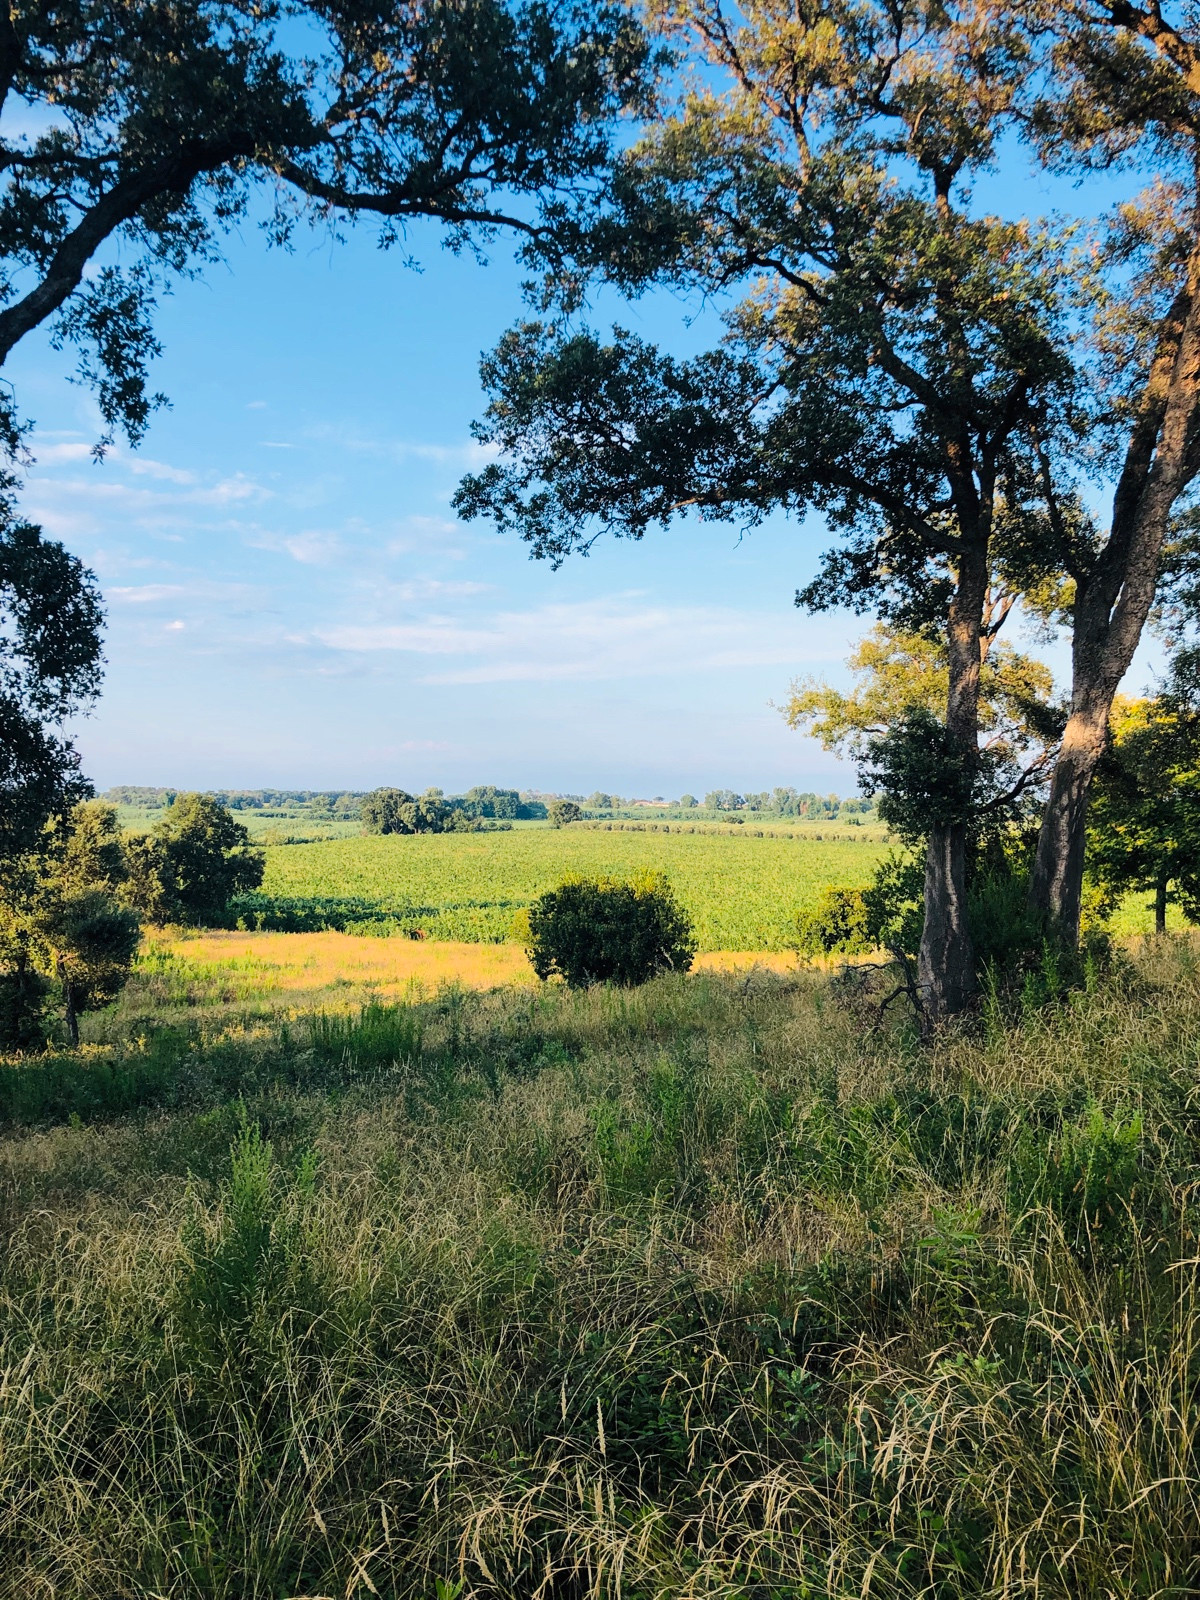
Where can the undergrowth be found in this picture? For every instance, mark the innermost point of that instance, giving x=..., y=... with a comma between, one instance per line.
x=695, y=1290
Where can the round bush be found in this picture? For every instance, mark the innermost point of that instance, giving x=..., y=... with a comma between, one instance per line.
x=607, y=930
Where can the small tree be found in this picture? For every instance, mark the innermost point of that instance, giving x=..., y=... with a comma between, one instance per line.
x=92, y=940
x=65, y=927
x=195, y=861
x=563, y=812
x=604, y=930
x=1145, y=812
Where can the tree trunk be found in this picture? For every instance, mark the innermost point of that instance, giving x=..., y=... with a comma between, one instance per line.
x=70, y=1016
x=1160, y=906
x=1056, y=890
x=946, y=959
x=1114, y=598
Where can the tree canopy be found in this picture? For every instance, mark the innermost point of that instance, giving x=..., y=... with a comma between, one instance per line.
x=50, y=668
x=150, y=127
x=194, y=861
x=1145, y=816
x=898, y=361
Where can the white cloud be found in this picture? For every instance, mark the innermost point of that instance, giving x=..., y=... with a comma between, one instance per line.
x=616, y=637
x=434, y=589
x=313, y=548
x=460, y=453
x=144, y=594
x=52, y=454
x=144, y=467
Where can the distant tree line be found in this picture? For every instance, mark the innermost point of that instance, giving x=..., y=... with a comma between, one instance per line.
x=335, y=802
x=393, y=810
x=390, y=810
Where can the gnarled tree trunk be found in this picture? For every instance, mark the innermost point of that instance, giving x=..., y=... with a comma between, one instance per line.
x=1114, y=598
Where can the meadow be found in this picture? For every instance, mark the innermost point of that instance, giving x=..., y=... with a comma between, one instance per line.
x=709, y=1289
x=742, y=887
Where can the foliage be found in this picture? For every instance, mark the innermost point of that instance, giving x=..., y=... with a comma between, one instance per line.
x=693, y=1277
x=380, y=811
x=147, y=129
x=923, y=778
x=504, y=805
x=63, y=928
x=839, y=924
x=901, y=361
x=192, y=864
x=50, y=667
x=605, y=930
x=900, y=673
x=563, y=812
x=1144, y=820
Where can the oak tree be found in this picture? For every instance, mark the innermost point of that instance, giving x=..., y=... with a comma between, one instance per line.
x=136, y=134
x=1123, y=90
x=899, y=361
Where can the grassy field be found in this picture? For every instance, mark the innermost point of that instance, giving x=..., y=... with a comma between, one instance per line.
x=741, y=890
x=237, y=979
x=710, y=1289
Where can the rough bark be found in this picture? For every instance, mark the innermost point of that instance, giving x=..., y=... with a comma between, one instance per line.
x=945, y=963
x=946, y=959
x=1160, y=906
x=1114, y=598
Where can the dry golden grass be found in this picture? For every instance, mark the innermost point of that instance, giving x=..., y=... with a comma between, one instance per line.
x=322, y=969
x=304, y=966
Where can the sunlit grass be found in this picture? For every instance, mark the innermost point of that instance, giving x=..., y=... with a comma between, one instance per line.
x=711, y=1290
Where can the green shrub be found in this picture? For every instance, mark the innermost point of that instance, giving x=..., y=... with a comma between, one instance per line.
x=23, y=993
x=605, y=930
x=839, y=924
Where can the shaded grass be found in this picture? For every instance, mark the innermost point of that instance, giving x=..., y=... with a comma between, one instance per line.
x=691, y=1291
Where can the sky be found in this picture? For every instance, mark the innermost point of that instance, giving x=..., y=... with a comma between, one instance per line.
x=292, y=602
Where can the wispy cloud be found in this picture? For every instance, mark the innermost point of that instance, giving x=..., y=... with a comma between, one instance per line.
x=457, y=453
x=615, y=637
x=313, y=547
x=152, y=594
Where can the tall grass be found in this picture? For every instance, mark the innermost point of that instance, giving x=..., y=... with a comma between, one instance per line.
x=698, y=1290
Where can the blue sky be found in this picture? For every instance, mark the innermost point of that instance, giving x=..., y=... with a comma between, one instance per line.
x=291, y=601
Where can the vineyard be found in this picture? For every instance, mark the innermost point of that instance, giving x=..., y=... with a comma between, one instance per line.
x=741, y=892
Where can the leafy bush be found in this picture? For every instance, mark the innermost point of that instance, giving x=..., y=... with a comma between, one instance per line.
x=605, y=930
x=23, y=993
x=563, y=812
x=839, y=924
x=197, y=859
